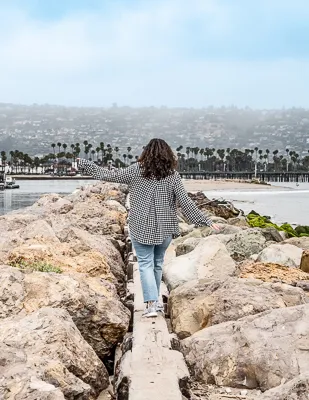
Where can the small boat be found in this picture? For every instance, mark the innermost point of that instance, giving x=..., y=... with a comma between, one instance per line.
x=9, y=183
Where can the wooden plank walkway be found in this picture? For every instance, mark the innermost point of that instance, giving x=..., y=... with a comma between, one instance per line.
x=151, y=370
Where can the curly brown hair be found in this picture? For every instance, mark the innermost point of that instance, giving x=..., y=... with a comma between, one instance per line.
x=157, y=160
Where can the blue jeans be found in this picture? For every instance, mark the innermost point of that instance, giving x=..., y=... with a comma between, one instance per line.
x=150, y=261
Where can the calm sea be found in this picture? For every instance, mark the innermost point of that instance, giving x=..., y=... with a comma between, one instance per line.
x=288, y=204
x=283, y=205
x=31, y=191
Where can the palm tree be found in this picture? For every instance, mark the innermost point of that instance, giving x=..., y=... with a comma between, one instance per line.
x=3, y=157
x=86, y=152
x=102, y=148
x=98, y=151
x=124, y=159
x=64, y=146
x=12, y=155
x=92, y=153
x=53, y=145
x=275, y=159
x=130, y=158
x=287, y=162
x=85, y=143
x=117, y=152
x=59, y=145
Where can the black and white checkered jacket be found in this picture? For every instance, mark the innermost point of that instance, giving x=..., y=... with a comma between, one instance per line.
x=153, y=213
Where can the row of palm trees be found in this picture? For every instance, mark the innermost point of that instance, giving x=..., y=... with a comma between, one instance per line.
x=234, y=160
x=101, y=153
x=189, y=159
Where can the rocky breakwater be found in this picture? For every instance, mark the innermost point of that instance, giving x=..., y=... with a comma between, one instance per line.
x=62, y=279
x=239, y=305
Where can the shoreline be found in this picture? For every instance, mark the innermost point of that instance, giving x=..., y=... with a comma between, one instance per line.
x=225, y=185
x=191, y=185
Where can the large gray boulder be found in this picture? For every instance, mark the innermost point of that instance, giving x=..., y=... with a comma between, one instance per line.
x=301, y=242
x=296, y=389
x=246, y=243
x=283, y=254
x=255, y=352
x=44, y=356
x=199, y=304
x=92, y=303
x=209, y=259
x=187, y=246
x=226, y=229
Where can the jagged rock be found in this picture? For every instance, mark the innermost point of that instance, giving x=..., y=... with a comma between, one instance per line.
x=43, y=355
x=295, y=389
x=115, y=205
x=62, y=256
x=301, y=242
x=209, y=259
x=92, y=215
x=201, y=232
x=218, y=220
x=271, y=234
x=38, y=228
x=92, y=303
x=246, y=243
x=185, y=228
x=14, y=221
x=304, y=263
x=269, y=272
x=239, y=221
x=8, y=240
x=283, y=254
x=218, y=208
x=199, y=304
x=255, y=352
x=303, y=285
x=224, y=238
x=226, y=229
x=82, y=241
x=187, y=246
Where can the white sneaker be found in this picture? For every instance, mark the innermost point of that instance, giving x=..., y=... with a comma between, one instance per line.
x=150, y=311
x=159, y=307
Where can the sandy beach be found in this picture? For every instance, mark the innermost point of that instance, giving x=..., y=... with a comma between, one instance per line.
x=192, y=185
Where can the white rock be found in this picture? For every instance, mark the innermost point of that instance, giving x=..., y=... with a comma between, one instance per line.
x=283, y=254
x=209, y=259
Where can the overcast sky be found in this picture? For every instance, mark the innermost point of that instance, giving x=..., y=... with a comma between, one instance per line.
x=189, y=53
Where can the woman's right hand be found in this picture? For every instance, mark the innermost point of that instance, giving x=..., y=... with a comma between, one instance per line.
x=215, y=227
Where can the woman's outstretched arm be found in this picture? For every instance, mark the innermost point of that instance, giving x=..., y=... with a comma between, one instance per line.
x=118, y=175
x=190, y=209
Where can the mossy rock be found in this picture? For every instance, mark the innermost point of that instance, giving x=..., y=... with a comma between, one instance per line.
x=256, y=220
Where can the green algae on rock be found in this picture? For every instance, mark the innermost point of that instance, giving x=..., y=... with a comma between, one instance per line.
x=256, y=220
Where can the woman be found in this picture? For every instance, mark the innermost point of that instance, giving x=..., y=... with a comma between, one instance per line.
x=154, y=187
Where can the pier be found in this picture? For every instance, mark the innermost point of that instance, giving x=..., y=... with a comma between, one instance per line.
x=249, y=176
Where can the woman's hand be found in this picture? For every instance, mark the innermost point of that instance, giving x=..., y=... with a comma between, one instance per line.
x=215, y=227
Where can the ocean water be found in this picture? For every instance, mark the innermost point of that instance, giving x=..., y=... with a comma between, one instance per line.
x=288, y=203
x=31, y=191
x=285, y=204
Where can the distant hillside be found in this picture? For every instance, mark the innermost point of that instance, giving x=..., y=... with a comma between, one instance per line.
x=32, y=129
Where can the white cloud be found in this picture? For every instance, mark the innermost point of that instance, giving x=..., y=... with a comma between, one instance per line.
x=139, y=56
